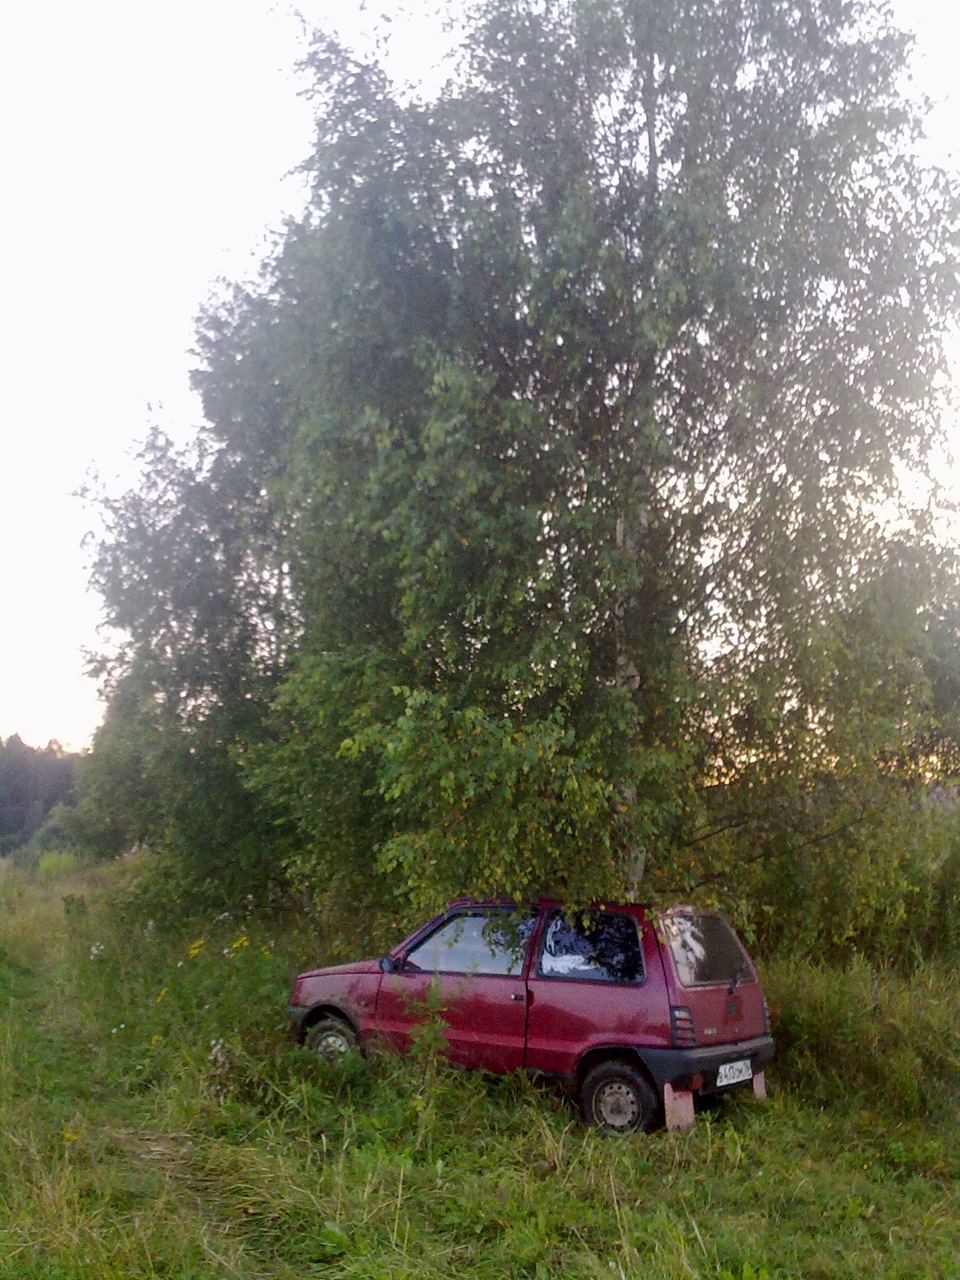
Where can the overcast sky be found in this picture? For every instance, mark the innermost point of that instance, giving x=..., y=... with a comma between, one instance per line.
x=145, y=148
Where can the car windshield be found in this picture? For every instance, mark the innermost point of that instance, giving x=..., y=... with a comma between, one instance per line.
x=706, y=952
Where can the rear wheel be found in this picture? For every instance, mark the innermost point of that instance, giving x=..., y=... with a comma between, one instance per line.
x=331, y=1039
x=618, y=1099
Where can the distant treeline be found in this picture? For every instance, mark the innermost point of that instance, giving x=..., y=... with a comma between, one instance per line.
x=33, y=781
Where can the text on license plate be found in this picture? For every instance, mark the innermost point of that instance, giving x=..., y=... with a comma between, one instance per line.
x=734, y=1072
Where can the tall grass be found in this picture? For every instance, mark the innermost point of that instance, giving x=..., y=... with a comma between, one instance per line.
x=859, y=1036
x=157, y=1121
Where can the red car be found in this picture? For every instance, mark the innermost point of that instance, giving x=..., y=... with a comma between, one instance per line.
x=636, y=1012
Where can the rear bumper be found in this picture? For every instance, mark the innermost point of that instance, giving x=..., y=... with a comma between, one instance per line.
x=697, y=1068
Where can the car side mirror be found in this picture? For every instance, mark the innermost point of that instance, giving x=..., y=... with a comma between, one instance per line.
x=388, y=964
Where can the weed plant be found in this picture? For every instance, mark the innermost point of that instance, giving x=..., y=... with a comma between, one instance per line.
x=156, y=1121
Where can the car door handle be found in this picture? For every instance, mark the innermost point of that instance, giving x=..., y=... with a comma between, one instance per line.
x=516, y=995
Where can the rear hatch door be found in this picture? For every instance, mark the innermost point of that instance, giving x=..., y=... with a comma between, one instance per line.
x=712, y=976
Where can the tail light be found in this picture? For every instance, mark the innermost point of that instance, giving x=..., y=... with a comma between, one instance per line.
x=296, y=992
x=683, y=1033
x=766, y=1017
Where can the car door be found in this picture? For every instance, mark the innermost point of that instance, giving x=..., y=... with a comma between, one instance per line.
x=470, y=971
x=597, y=982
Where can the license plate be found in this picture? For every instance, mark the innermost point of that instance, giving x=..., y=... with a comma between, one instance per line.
x=734, y=1072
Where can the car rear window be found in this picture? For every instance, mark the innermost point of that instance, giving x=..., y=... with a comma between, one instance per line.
x=706, y=952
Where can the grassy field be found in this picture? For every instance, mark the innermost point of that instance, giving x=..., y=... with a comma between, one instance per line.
x=155, y=1121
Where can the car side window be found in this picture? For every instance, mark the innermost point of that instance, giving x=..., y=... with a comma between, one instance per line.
x=603, y=947
x=475, y=942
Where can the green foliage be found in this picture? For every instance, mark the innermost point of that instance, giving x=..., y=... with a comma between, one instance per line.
x=499, y=803
x=189, y=572
x=547, y=527
x=53, y=863
x=118, y=799
x=578, y=547
x=33, y=783
x=861, y=860
x=176, y=790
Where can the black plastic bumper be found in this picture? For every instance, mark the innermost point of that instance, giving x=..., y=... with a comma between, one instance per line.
x=681, y=1067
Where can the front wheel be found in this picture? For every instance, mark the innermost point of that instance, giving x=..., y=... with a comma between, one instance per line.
x=618, y=1099
x=331, y=1039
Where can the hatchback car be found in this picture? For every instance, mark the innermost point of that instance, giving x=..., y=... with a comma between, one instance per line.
x=636, y=1012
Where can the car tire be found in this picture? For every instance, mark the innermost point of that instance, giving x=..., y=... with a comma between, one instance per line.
x=618, y=1099
x=331, y=1039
